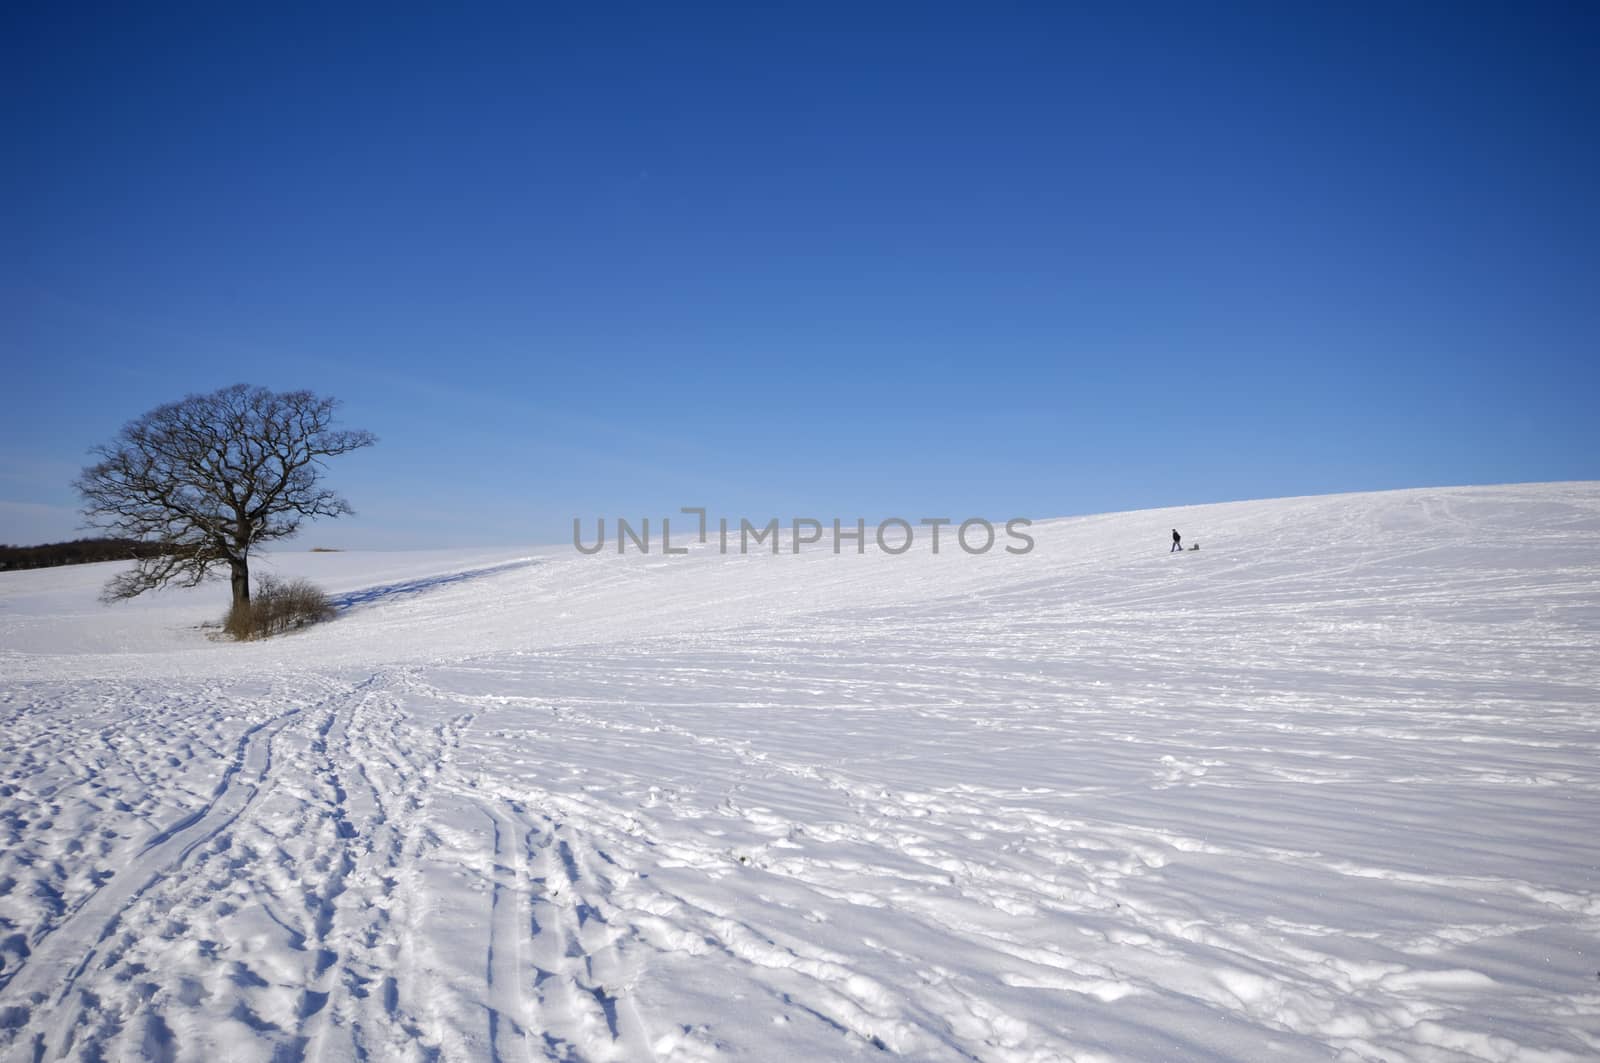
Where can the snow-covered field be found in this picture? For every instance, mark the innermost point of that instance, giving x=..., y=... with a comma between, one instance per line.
x=1328, y=788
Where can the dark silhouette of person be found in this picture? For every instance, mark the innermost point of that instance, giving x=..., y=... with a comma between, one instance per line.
x=1177, y=541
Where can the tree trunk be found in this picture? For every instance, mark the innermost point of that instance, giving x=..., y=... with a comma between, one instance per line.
x=241, y=582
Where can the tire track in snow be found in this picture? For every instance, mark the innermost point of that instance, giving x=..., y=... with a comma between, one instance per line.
x=549, y=926
x=350, y=1004
x=35, y=981
x=412, y=1010
x=142, y=858
x=321, y=998
x=504, y=967
x=253, y=770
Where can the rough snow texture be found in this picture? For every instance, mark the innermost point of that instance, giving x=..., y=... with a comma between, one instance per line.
x=1327, y=788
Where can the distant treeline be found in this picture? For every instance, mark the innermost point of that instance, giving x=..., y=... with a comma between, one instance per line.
x=77, y=552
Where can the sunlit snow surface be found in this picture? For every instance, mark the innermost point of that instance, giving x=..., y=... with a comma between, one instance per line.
x=1328, y=788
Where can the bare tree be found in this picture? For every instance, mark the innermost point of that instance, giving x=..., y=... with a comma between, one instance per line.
x=209, y=477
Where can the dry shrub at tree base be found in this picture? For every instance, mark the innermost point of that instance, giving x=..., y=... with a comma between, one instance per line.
x=277, y=607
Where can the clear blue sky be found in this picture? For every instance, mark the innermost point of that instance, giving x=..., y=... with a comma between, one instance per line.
x=909, y=259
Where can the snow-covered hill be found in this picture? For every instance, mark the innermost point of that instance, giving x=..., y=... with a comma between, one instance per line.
x=1325, y=789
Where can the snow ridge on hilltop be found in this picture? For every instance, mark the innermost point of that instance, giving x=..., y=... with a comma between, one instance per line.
x=1323, y=789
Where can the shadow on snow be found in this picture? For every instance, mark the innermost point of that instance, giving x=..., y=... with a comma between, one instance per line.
x=410, y=588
